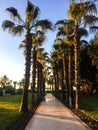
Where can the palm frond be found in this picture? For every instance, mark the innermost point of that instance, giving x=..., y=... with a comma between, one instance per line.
x=44, y=24
x=58, y=40
x=23, y=44
x=18, y=30
x=41, y=33
x=71, y=22
x=74, y=11
x=7, y=25
x=29, y=13
x=90, y=20
x=56, y=46
x=84, y=43
x=32, y=11
x=41, y=39
x=91, y=7
x=45, y=55
x=82, y=32
x=66, y=28
x=69, y=40
x=78, y=10
x=62, y=31
x=14, y=13
x=94, y=29
x=61, y=22
x=36, y=13
x=30, y=7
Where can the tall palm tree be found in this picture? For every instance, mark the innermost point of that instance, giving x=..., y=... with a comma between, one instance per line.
x=62, y=49
x=66, y=29
x=17, y=26
x=37, y=40
x=81, y=13
x=41, y=74
x=54, y=65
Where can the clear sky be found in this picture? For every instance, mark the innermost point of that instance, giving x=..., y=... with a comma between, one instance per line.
x=11, y=58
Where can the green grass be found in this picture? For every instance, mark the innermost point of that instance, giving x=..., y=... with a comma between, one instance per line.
x=9, y=110
x=90, y=106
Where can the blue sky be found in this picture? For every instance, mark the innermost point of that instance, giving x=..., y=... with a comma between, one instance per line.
x=11, y=58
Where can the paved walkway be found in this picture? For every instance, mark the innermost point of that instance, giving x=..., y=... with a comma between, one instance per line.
x=53, y=115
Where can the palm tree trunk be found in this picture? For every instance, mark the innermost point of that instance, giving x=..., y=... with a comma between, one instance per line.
x=41, y=81
x=63, y=79
x=57, y=78
x=33, y=76
x=70, y=75
x=24, y=104
x=38, y=81
x=77, y=67
x=43, y=86
x=55, y=81
x=65, y=65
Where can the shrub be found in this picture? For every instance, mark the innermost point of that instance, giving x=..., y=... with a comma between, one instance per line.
x=86, y=87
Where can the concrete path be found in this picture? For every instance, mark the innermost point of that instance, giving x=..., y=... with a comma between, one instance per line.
x=53, y=115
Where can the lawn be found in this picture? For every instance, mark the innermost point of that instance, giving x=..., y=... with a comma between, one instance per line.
x=90, y=106
x=9, y=109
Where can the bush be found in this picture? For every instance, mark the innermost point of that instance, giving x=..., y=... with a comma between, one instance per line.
x=86, y=87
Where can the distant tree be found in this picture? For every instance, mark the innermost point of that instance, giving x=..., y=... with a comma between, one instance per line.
x=15, y=83
x=5, y=82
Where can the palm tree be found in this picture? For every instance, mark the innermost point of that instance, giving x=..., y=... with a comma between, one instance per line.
x=41, y=74
x=66, y=29
x=54, y=65
x=15, y=84
x=62, y=50
x=37, y=40
x=17, y=26
x=81, y=14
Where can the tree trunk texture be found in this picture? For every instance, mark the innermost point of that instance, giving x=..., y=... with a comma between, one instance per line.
x=65, y=65
x=55, y=81
x=38, y=81
x=77, y=67
x=63, y=79
x=24, y=104
x=33, y=76
x=70, y=75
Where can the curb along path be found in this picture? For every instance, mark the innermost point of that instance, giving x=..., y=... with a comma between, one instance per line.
x=53, y=115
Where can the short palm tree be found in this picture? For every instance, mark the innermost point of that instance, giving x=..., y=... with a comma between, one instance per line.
x=17, y=26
